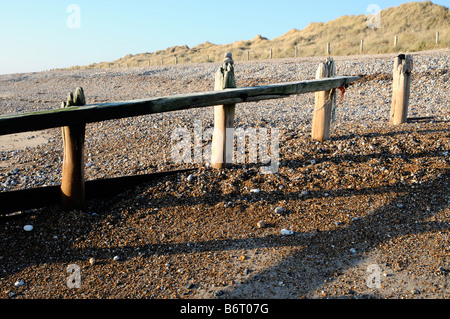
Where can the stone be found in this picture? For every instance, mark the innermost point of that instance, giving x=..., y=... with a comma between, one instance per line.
x=286, y=232
x=28, y=227
x=279, y=210
x=261, y=224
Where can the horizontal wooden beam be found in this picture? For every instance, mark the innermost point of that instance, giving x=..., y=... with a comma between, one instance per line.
x=39, y=197
x=34, y=121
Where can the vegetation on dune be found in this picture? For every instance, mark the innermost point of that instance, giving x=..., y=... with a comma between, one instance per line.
x=415, y=24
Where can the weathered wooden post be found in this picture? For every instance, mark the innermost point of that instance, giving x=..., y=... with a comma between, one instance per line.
x=396, y=41
x=223, y=137
x=437, y=37
x=248, y=55
x=325, y=101
x=328, y=48
x=72, y=186
x=361, y=49
x=403, y=66
x=270, y=54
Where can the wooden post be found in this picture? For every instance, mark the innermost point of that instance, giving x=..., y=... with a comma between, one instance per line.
x=437, y=37
x=248, y=55
x=296, y=51
x=361, y=49
x=403, y=67
x=328, y=48
x=396, y=41
x=270, y=54
x=325, y=101
x=223, y=136
x=72, y=186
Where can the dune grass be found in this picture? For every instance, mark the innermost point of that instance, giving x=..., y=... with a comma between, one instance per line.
x=415, y=24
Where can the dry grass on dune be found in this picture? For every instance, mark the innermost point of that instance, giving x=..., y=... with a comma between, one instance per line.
x=344, y=34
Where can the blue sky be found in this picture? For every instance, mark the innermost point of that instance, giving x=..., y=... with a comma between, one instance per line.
x=35, y=35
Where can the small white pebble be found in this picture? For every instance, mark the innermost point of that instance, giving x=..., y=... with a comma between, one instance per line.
x=286, y=232
x=116, y=258
x=28, y=228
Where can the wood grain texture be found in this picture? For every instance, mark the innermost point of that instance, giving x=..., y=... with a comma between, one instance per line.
x=33, y=121
x=403, y=66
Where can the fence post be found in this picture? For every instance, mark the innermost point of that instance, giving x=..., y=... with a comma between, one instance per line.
x=296, y=51
x=328, y=48
x=72, y=186
x=403, y=66
x=361, y=49
x=324, y=103
x=396, y=41
x=223, y=136
x=437, y=37
x=270, y=53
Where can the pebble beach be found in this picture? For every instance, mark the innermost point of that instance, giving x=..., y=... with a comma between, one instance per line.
x=365, y=214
